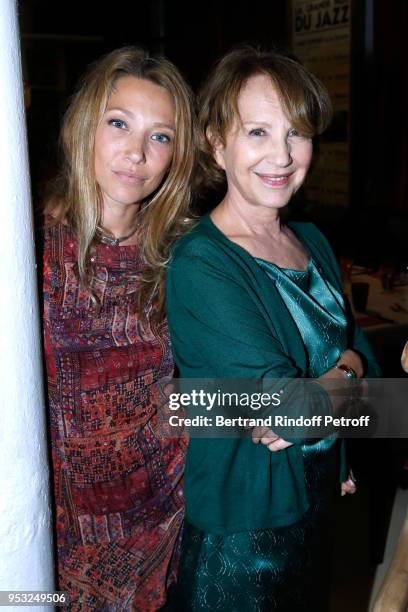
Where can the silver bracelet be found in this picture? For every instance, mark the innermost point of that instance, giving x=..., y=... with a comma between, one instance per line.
x=349, y=372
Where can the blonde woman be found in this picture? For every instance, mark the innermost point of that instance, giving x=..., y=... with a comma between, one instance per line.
x=118, y=204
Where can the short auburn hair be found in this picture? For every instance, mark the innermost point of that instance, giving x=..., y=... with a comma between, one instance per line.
x=304, y=99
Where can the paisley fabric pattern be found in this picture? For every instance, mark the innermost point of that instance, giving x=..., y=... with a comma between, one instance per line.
x=117, y=482
x=281, y=569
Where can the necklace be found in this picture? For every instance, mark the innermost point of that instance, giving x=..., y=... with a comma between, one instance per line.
x=111, y=240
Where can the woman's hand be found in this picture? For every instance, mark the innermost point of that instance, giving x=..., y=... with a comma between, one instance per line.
x=266, y=436
x=353, y=360
x=349, y=486
x=269, y=438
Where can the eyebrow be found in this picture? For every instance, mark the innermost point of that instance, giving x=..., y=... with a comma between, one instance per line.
x=165, y=125
x=264, y=123
x=129, y=114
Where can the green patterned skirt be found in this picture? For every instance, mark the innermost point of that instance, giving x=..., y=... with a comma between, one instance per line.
x=282, y=569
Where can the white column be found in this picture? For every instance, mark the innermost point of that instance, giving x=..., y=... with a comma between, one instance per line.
x=25, y=519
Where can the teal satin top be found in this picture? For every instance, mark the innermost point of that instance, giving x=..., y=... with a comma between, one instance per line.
x=317, y=309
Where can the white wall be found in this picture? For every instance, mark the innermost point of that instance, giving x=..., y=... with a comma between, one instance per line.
x=25, y=518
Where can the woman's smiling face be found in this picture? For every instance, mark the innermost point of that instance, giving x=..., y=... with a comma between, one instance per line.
x=134, y=141
x=264, y=158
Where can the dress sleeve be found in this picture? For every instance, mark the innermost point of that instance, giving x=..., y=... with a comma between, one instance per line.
x=48, y=290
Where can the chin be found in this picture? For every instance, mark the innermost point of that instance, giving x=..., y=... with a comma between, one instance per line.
x=275, y=200
x=277, y=204
x=129, y=199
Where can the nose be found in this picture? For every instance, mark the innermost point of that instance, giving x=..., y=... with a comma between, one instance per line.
x=135, y=149
x=280, y=152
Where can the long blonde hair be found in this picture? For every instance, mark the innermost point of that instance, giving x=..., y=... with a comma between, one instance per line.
x=76, y=192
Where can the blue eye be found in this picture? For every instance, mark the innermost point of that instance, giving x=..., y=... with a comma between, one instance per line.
x=118, y=123
x=163, y=138
x=257, y=132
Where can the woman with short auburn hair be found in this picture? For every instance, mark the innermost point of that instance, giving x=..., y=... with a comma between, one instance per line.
x=252, y=297
x=122, y=197
x=303, y=97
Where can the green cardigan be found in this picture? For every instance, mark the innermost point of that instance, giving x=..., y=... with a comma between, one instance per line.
x=228, y=320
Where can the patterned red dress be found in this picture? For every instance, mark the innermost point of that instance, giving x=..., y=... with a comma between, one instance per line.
x=118, y=482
